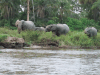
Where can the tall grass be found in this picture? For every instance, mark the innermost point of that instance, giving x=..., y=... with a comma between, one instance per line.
x=12, y=33
x=3, y=37
x=72, y=38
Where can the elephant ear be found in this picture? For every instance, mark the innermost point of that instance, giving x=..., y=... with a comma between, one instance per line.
x=54, y=28
x=48, y=28
x=17, y=22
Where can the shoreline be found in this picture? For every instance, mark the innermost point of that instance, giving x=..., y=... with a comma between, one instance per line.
x=42, y=46
x=60, y=47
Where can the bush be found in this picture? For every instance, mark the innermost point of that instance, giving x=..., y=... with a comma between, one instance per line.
x=80, y=25
x=10, y=32
x=75, y=38
x=72, y=38
x=3, y=37
x=47, y=35
x=30, y=35
x=96, y=40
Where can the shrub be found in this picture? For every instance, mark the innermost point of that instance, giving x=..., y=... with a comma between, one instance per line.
x=3, y=37
x=96, y=40
x=80, y=25
x=72, y=38
x=12, y=33
x=75, y=38
x=80, y=39
x=47, y=35
x=30, y=35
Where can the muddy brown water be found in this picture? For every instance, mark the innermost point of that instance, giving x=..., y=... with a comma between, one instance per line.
x=49, y=62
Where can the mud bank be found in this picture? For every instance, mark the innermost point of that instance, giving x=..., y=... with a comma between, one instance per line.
x=59, y=47
x=38, y=46
x=18, y=43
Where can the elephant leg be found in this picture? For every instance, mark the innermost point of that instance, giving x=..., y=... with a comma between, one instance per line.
x=19, y=29
x=90, y=35
x=57, y=33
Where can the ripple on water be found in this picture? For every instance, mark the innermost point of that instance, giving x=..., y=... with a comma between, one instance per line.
x=50, y=62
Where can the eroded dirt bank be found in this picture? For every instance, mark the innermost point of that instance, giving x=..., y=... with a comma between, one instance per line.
x=13, y=42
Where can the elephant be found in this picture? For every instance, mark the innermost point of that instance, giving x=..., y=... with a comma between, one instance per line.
x=24, y=25
x=58, y=29
x=90, y=31
x=39, y=29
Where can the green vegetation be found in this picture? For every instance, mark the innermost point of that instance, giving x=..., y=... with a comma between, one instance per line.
x=73, y=38
x=2, y=37
x=81, y=24
x=45, y=12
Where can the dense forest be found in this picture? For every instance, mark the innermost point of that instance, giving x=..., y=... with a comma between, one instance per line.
x=77, y=14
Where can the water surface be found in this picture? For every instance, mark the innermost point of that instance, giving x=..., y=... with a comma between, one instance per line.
x=49, y=62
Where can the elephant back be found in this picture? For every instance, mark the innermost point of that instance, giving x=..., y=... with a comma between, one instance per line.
x=28, y=25
x=63, y=27
x=40, y=28
x=94, y=31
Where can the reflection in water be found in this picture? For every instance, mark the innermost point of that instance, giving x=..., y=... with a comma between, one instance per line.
x=49, y=62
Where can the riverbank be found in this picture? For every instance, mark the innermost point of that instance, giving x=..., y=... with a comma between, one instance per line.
x=47, y=47
x=59, y=47
x=73, y=39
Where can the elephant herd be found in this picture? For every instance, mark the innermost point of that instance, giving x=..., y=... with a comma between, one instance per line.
x=57, y=29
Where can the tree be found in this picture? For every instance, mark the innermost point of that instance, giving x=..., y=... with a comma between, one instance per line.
x=28, y=10
x=52, y=8
x=96, y=10
x=92, y=7
x=9, y=8
x=9, y=12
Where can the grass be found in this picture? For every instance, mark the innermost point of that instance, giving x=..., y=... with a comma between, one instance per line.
x=72, y=38
x=3, y=37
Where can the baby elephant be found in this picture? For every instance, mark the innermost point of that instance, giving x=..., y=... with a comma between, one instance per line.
x=39, y=29
x=90, y=31
x=58, y=29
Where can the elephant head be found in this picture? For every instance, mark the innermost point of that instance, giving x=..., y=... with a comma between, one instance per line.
x=52, y=28
x=90, y=31
x=18, y=24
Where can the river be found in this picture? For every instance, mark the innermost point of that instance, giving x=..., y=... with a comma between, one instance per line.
x=49, y=62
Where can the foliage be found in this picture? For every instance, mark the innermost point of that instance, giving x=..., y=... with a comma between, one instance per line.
x=3, y=37
x=80, y=24
x=45, y=12
x=92, y=8
x=30, y=35
x=9, y=32
x=72, y=38
x=46, y=36
x=9, y=11
x=78, y=38
x=9, y=8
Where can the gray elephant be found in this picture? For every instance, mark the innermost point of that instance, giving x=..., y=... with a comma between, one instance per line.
x=58, y=29
x=90, y=31
x=39, y=29
x=24, y=25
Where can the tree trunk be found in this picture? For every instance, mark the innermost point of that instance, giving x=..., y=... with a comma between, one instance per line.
x=28, y=10
x=33, y=11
